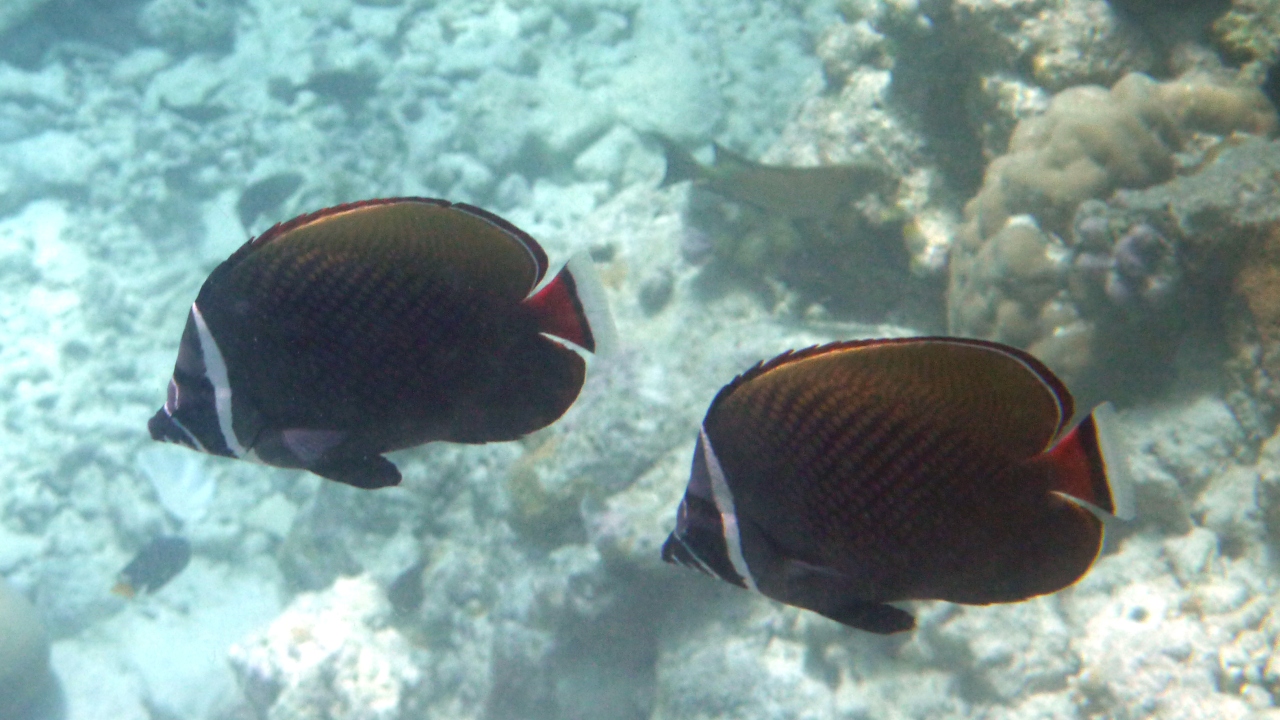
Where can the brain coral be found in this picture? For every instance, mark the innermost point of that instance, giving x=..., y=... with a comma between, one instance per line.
x=1011, y=268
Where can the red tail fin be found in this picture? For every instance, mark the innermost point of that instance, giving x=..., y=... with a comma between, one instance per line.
x=1092, y=465
x=573, y=307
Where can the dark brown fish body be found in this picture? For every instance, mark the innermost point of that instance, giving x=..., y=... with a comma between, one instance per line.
x=358, y=293
x=801, y=193
x=863, y=473
x=378, y=326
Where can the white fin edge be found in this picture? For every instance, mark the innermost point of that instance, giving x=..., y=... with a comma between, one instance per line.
x=1113, y=446
x=595, y=303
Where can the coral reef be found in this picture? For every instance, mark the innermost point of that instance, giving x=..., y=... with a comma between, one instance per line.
x=1036, y=266
x=13, y=13
x=330, y=655
x=856, y=266
x=25, y=678
x=1257, y=337
x=188, y=25
x=1223, y=220
x=1250, y=30
x=526, y=576
x=966, y=72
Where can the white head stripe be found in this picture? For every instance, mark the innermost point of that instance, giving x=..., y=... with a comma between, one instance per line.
x=215, y=368
x=723, y=498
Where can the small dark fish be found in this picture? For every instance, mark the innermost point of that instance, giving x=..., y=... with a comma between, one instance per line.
x=843, y=477
x=375, y=326
x=405, y=593
x=158, y=562
x=801, y=193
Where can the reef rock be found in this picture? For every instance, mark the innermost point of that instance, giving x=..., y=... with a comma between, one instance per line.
x=25, y=677
x=1035, y=266
x=1225, y=222
x=330, y=655
x=1251, y=30
x=13, y=12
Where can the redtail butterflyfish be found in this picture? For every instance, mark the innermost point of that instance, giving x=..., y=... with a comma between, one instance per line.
x=845, y=477
x=379, y=325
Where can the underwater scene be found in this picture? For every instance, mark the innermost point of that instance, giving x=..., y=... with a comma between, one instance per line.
x=640, y=360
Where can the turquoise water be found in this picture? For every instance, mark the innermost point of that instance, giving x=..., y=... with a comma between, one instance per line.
x=1093, y=181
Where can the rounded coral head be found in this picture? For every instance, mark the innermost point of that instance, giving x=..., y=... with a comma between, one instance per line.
x=26, y=680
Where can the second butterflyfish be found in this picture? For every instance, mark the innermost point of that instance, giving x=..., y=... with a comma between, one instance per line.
x=846, y=477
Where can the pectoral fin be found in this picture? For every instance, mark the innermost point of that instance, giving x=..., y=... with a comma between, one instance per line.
x=836, y=596
x=368, y=472
x=821, y=589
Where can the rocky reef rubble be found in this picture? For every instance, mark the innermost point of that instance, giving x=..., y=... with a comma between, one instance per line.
x=1199, y=249
x=573, y=614
x=1151, y=632
x=330, y=655
x=1250, y=31
x=541, y=593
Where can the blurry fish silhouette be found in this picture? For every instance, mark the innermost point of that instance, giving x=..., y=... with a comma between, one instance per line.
x=158, y=562
x=379, y=325
x=405, y=593
x=816, y=193
x=843, y=477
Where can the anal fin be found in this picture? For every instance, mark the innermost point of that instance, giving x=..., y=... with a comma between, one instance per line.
x=815, y=587
x=368, y=472
x=879, y=618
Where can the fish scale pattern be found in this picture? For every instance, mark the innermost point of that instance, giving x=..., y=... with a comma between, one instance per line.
x=898, y=469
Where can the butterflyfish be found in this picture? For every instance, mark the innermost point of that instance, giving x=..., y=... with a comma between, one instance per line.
x=379, y=325
x=846, y=477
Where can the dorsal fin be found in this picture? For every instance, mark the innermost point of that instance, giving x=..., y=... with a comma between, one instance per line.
x=1054, y=411
x=281, y=229
x=483, y=247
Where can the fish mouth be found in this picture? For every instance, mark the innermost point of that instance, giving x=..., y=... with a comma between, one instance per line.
x=669, y=549
x=164, y=428
x=677, y=552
